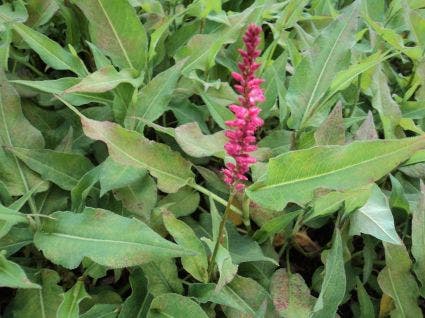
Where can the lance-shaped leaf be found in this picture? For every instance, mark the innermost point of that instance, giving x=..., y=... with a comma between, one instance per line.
x=191, y=139
x=44, y=301
x=291, y=296
x=130, y=148
x=49, y=51
x=334, y=283
x=58, y=86
x=174, y=305
x=16, y=130
x=137, y=304
x=397, y=282
x=162, y=277
x=418, y=237
x=375, y=218
x=224, y=263
x=71, y=300
x=12, y=275
x=153, y=99
x=315, y=73
x=293, y=176
x=196, y=265
x=252, y=297
x=9, y=218
x=104, y=80
x=105, y=237
x=63, y=169
x=116, y=29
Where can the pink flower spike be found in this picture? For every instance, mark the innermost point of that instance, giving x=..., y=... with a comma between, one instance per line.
x=241, y=132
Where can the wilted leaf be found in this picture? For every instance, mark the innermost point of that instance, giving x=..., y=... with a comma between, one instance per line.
x=291, y=296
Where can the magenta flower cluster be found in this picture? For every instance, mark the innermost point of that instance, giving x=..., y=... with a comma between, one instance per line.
x=241, y=133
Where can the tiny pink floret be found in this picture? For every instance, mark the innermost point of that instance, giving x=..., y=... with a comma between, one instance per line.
x=241, y=130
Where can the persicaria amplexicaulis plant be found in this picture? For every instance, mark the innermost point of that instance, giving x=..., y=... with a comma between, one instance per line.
x=241, y=133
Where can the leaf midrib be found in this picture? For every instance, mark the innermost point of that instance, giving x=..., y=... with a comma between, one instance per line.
x=48, y=52
x=335, y=171
x=319, y=79
x=115, y=34
x=150, y=168
x=89, y=239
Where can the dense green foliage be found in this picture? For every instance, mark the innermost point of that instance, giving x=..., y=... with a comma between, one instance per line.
x=112, y=126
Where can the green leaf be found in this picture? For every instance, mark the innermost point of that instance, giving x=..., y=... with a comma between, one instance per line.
x=49, y=51
x=115, y=176
x=44, y=301
x=162, y=277
x=176, y=306
x=395, y=39
x=116, y=30
x=130, y=148
x=332, y=201
x=106, y=238
x=82, y=189
x=275, y=225
x=69, y=308
x=15, y=239
x=193, y=142
x=16, y=130
x=196, y=265
x=10, y=13
x=224, y=263
x=345, y=77
x=314, y=75
x=366, y=306
x=397, y=282
x=9, y=218
x=418, y=236
x=102, y=311
x=105, y=79
x=183, y=202
x=40, y=11
x=12, y=275
x=251, y=297
x=244, y=249
x=375, y=218
x=153, y=99
x=398, y=198
x=58, y=86
x=137, y=304
x=334, y=282
x=291, y=296
x=293, y=176
x=63, y=169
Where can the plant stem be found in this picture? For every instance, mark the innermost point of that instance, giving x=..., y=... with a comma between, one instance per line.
x=214, y=196
x=220, y=234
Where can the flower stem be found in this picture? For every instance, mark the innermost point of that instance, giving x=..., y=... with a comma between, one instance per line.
x=214, y=196
x=220, y=234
